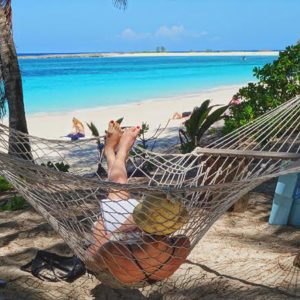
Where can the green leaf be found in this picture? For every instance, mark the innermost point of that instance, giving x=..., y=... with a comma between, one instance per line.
x=14, y=204
x=93, y=129
x=200, y=121
x=5, y=185
x=196, y=119
x=214, y=117
x=120, y=120
x=277, y=83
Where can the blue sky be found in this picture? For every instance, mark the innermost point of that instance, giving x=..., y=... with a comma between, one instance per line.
x=46, y=26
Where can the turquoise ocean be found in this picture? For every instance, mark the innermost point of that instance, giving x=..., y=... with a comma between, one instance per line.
x=65, y=84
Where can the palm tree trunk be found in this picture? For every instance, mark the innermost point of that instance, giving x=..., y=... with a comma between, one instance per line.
x=12, y=81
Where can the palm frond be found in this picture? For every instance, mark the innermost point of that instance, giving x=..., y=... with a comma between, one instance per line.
x=198, y=116
x=119, y=121
x=120, y=3
x=93, y=129
x=212, y=118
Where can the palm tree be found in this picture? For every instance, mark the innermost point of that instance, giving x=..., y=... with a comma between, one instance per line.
x=11, y=91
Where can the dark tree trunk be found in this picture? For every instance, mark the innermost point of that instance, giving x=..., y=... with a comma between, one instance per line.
x=19, y=143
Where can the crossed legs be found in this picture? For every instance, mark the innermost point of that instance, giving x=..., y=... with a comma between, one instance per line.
x=154, y=258
x=117, y=147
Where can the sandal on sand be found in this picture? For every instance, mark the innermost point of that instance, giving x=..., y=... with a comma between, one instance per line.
x=52, y=267
x=3, y=283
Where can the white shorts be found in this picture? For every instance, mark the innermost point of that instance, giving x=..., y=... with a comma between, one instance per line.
x=115, y=213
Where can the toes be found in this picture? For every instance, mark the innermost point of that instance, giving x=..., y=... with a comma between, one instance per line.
x=127, y=130
x=108, y=133
x=118, y=128
x=111, y=125
x=137, y=130
x=116, y=125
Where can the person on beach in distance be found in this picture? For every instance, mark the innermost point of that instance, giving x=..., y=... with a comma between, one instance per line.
x=235, y=101
x=77, y=130
x=119, y=246
x=187, y=114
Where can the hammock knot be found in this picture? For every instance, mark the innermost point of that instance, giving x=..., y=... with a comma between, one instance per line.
x=263, y=166
x=219, y=172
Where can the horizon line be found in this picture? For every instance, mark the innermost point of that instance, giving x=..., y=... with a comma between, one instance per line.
x=150, y=51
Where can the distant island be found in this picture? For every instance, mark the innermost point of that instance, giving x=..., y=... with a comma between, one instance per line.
x=151, y=54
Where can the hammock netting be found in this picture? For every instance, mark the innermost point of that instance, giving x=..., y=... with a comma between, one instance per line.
x=179, y=196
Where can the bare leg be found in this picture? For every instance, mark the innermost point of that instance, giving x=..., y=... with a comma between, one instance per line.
x=113, y=136
x=154, y=254
x=176, y=116
x=117, y=174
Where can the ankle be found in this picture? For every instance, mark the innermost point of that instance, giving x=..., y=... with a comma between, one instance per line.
x=122, y=155
x=109, y=151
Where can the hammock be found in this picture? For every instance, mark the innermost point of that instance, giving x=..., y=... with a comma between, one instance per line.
x=179, y=196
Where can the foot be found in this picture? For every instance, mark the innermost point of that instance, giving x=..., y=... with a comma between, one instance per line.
x=113, y=136
x=127, y=140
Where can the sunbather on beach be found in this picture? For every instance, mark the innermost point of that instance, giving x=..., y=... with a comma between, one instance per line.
x=119, y=246
x=77, y=130
x=185, y=115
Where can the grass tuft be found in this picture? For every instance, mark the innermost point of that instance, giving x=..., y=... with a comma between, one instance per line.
x=4, y=185
x=14, y=204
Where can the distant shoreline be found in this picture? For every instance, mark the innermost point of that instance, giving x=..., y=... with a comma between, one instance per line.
x=150, y=54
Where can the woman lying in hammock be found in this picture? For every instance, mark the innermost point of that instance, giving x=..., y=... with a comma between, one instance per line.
x=120, y=247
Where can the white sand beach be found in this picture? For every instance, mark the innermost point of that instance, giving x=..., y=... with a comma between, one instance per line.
x=153, y=111
x=155, y=54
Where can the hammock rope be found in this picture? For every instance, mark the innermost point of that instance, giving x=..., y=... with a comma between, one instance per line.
x=179, y=196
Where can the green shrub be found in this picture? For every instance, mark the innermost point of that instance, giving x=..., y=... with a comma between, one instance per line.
x=4, y=185
x=142, y=140
x=201, y=120
x=93, y=129
x=57, y=166
x=277, y=83
x=13, y=204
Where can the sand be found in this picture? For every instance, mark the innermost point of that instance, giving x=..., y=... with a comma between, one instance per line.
x=241, y=257
x=153, y=111
x=155, y=54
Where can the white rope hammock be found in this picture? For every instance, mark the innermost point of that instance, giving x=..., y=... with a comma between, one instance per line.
x=180, y=196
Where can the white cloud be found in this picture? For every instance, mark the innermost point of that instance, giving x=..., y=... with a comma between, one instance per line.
x=172, y=32
x=131, y=35
x=128, y=34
